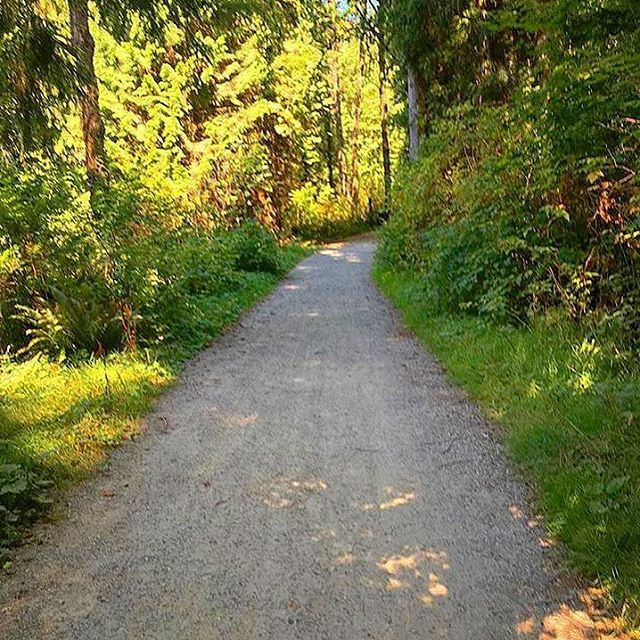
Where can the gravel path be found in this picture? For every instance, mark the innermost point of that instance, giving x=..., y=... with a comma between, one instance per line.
x=313, y=476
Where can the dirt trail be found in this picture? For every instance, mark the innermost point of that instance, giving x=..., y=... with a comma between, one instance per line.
x=312, y=476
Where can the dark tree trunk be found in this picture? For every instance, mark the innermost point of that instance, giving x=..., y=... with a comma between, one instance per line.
x=413, y=106
x=91, y=119
x=355, y=131
x=330, y=151
x=337, y=106
x=384, y=110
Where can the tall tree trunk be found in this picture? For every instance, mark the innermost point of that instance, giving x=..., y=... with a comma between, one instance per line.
x=384, y=109
x=413, y=103
x=355, y=131
x=330, y=151
x=416, y=92
x=91, y=119
x=336, y=90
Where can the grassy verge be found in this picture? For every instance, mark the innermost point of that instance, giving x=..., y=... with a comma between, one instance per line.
x=571, y=422
x=59, y=420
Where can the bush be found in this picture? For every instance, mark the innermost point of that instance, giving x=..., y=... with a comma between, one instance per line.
x=256, y=249
x=494, y=229
x=23, y=493
x=77, y=280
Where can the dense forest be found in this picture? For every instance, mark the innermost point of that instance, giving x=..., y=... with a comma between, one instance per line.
x=525, y=195
x=162, y=162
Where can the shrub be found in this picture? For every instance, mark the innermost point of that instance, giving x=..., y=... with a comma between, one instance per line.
x=23, y=493
x=256, y=249
x=495, y=229
x=76, y=280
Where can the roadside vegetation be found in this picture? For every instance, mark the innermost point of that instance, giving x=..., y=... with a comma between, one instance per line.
x=513, y=246
x=162, y=165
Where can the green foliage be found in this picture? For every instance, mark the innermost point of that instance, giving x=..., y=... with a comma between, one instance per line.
x=77, y=284
x=37, y=77
x=571, y=421
x=231, y=128
x=22, y=496
x=518, y=206
x=318, y=213
x=256, y=249
x=57, y=421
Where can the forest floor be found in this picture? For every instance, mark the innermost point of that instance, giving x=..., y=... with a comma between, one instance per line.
x=313, y=475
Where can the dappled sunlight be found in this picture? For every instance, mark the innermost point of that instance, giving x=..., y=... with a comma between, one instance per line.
x=533, y=522
x=346, y=559
x=533, y=390
x=526, y=626
x=396, y=499
x=324, y=534
x=415, y=570
x=518, y=514
x=291, y=493
x=334, y=251
x=567, y=624
x=393, y=584
x=592, y=621
x=240, y=420
x=435, y=587
x=67, y=417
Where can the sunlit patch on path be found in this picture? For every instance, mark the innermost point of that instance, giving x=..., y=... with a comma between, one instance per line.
x=395, y=499
x=416, y=570
x=591, y=620
x=291, y=493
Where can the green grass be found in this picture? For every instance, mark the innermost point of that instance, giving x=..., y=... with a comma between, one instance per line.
x=58, y=421
x=570, y=421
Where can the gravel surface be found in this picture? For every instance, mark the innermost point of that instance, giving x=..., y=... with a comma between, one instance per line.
x=312, y=476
